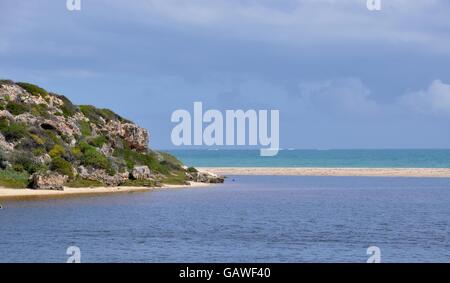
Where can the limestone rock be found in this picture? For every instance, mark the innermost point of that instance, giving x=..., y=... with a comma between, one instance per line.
x=100, y=175
x=48, y=181
x=141, y=173
x=205, y=177
x=136, y=137
x=4, y=145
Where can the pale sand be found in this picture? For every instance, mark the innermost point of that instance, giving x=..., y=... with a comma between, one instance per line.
x=369, y=172
x=6, y=193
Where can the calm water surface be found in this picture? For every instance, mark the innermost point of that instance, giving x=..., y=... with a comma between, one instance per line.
x=253, y=219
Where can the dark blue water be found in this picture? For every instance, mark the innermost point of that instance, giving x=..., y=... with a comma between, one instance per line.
x=366, y=158
x=254, y=219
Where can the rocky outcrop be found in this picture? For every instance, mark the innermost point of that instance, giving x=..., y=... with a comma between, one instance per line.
x=137, y=138
x=141, y=173
x=205, y=177
x=48, y=181
x=100, y=175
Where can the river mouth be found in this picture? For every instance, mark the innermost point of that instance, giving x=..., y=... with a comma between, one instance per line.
x=252, y=219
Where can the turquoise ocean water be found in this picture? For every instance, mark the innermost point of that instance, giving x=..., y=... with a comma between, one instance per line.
x=408, y=158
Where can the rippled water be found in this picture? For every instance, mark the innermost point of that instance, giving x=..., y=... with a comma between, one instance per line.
x=262, y=219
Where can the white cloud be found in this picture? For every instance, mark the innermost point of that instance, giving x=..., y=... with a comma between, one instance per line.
x=434, y=100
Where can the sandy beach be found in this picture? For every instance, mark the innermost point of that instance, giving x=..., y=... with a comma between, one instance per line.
x=7, y=193
x=362, y=172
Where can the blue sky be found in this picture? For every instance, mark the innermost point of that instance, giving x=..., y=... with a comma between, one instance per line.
x=342, y=76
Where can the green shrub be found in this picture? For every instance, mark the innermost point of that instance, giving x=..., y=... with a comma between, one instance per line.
x=192, y=170
x=38, y=151
x=90, y=112
x=61, y=166
x=13, y=179
x=83, y=183
x=68, y=108
x=17, y=108
x=57, y=151
x=53, y=137
x=33, y=89
x=94, y=114
x=140, y=183
x=85, y=129
x=27, y=144
x=150, y=159
x=40, y=110
x=98, y=141
x=175, y=179
x=13, y=132
x=3, y=159
x=83, y=145
x=23, y=161
x=107, y=114
x=6, y=82
x=76, y=152
x=169, y=158
x=92, y=157
x=37, y=139
x=4, y=123
x=48, y=139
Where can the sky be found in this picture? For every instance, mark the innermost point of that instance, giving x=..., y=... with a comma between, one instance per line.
x=341, y=76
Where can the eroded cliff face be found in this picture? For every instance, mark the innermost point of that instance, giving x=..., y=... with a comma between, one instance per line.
x=57, y=113
x=44, y=135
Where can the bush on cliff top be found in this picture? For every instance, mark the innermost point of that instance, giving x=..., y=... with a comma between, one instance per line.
x=33, y=89
x=6, y=82
x=94, y=114
x=68, y=108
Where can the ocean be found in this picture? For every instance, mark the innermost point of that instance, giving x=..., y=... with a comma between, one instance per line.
x=247, y=219
x=408, y=158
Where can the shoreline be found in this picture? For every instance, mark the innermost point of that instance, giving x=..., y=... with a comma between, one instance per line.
x=335, y=172
x=24, y=194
